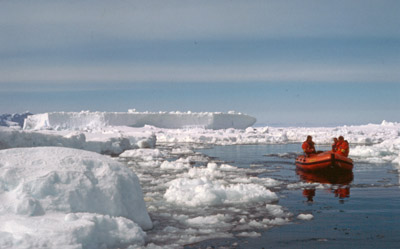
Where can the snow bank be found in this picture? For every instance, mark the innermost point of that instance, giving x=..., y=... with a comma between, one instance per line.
x=59, y=197
x=171, y=120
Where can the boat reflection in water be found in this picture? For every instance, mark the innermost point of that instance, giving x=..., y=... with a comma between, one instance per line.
x=339, y=180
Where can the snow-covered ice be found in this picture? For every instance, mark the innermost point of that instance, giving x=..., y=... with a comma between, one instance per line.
x=109, y=140
x=60, y=197
x=205, y=192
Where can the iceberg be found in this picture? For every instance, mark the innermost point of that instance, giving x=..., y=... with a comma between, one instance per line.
x=169, y=120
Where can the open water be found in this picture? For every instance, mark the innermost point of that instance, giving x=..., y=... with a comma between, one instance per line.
x=356, y=210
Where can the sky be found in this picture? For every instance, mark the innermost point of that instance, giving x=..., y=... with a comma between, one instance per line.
x=286, y=63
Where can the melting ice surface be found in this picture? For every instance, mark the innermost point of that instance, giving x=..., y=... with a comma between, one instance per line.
x=190, y=193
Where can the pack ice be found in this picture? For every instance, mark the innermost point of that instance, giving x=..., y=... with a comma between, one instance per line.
x=66, y=198
x=86, y=200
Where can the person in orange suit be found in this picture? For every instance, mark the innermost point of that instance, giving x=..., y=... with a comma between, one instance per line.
x=347, y=148
x=335, y=144
x=308, y=146
x=343, y=147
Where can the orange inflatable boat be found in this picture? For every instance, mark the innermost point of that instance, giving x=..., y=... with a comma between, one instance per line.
x=323, y=161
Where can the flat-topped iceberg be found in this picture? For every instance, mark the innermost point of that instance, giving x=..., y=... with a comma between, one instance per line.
x=171, y=120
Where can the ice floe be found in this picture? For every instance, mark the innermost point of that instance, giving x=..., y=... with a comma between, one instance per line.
x=205, y=192
x=68, y=198
x=305, y=216
x=110, y=140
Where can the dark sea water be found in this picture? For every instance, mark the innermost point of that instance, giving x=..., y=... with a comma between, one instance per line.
x=356, y=210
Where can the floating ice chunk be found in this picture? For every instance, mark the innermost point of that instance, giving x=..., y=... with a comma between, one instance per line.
x=182, y=151
x=218, y=220
x=211, y=171
x=149, y=164
x=205, y=192
x=175, y=165
x=197, y=158
x=265, y=181
x=276, y=221
x=145, y=154
x=256, y=224
x=227, y=167
x=305, y=217
x=248, y=234
x=275, y=210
